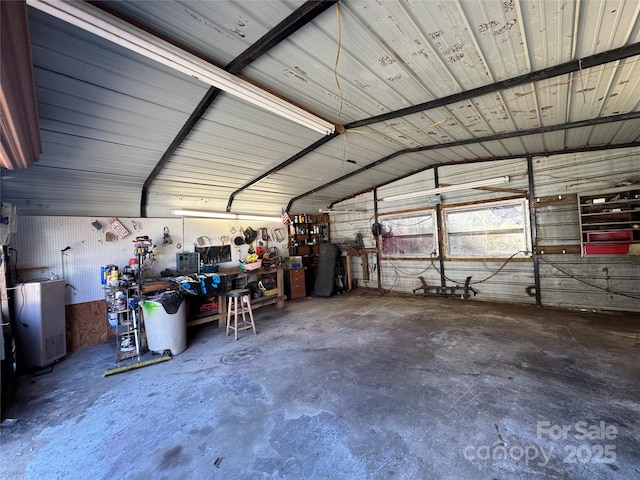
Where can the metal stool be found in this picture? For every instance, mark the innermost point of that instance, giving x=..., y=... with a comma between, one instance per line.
x=244, y=307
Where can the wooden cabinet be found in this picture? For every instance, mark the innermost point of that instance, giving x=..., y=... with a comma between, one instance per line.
x=294, y=283
x=609, y=220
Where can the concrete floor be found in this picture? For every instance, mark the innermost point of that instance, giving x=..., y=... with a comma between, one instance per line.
x=359, y=386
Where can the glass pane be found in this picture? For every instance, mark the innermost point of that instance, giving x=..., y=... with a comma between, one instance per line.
x=418, y=246
x=410, y=235
x=499, y=217
x=407, y=225
x=498, y=230
x=486, y=244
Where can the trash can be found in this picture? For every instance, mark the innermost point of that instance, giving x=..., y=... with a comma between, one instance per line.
x=165, y=321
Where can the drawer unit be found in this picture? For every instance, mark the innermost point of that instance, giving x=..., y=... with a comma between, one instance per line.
x=294, y=284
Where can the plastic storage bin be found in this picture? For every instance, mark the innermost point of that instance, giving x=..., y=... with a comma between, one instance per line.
x=165, y=321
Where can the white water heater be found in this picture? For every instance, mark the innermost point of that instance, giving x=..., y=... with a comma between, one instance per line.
x=39, y=322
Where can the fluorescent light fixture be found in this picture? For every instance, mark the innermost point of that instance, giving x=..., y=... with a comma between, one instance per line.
x=197, y=213
x=94, y=20
x=259, y=217
x=223, y=216
x=448, y=188
x=345, y=210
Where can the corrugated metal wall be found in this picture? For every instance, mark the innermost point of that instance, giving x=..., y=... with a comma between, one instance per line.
x=355, y=216
x=570, y=280
x=402, y=274
x=566, y=280
x=503, y=280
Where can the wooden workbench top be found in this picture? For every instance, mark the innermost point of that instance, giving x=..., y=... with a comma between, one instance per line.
x=156, y=285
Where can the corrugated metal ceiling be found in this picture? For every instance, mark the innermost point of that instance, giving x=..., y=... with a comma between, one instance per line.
x=108, y=115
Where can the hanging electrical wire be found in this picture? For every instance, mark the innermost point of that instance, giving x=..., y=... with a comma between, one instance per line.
x=399, y=270
x=339, y=87
x=484, y=279
x=335, y=66
x=570, y=275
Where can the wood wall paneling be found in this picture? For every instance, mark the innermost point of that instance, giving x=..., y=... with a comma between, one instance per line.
x=86, y=324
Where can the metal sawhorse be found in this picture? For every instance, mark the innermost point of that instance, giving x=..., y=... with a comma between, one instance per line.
x=439, y=291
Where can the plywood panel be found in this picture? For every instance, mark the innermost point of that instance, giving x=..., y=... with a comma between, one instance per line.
x=86, y=324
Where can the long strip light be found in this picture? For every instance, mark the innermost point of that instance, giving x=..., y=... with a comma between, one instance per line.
x=91, y=19
x=448, y=188
x=345, y=210
x=224, y=216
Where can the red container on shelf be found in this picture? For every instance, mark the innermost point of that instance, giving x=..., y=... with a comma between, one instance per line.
x=615, y=236
x=606, y=248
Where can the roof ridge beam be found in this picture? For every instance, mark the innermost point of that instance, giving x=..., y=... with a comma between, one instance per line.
x=546, y=153
x=300, y=17
x=572, y=66
x=499, y=136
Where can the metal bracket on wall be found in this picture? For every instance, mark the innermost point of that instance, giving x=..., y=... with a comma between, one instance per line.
x=551, y=200
x=557, y=249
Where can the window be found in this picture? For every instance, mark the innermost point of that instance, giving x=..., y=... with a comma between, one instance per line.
x=409, y=234
x=492, y=230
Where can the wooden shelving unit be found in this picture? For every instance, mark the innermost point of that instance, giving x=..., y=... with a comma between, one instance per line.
x=609, y=220
x=306, y=233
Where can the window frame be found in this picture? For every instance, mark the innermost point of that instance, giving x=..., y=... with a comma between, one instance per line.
x=516, y=253
x=389, y=217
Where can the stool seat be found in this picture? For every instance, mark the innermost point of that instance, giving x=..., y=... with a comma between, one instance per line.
x=239, y=303
x=239, y=292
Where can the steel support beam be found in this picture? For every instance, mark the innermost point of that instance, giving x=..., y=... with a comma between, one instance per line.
x=303, y=15
x=533, y=226
x=563, y=69
x=280, y=166
x=443, y=278
x=614, y=55
x=544, y=153
x=378, y=245
x=469, y=141
x=550, y=153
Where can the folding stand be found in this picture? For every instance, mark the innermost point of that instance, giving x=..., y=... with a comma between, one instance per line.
x=451, y=291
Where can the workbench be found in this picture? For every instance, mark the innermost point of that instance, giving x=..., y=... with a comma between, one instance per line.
x=235, y=274
x=157, y=286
